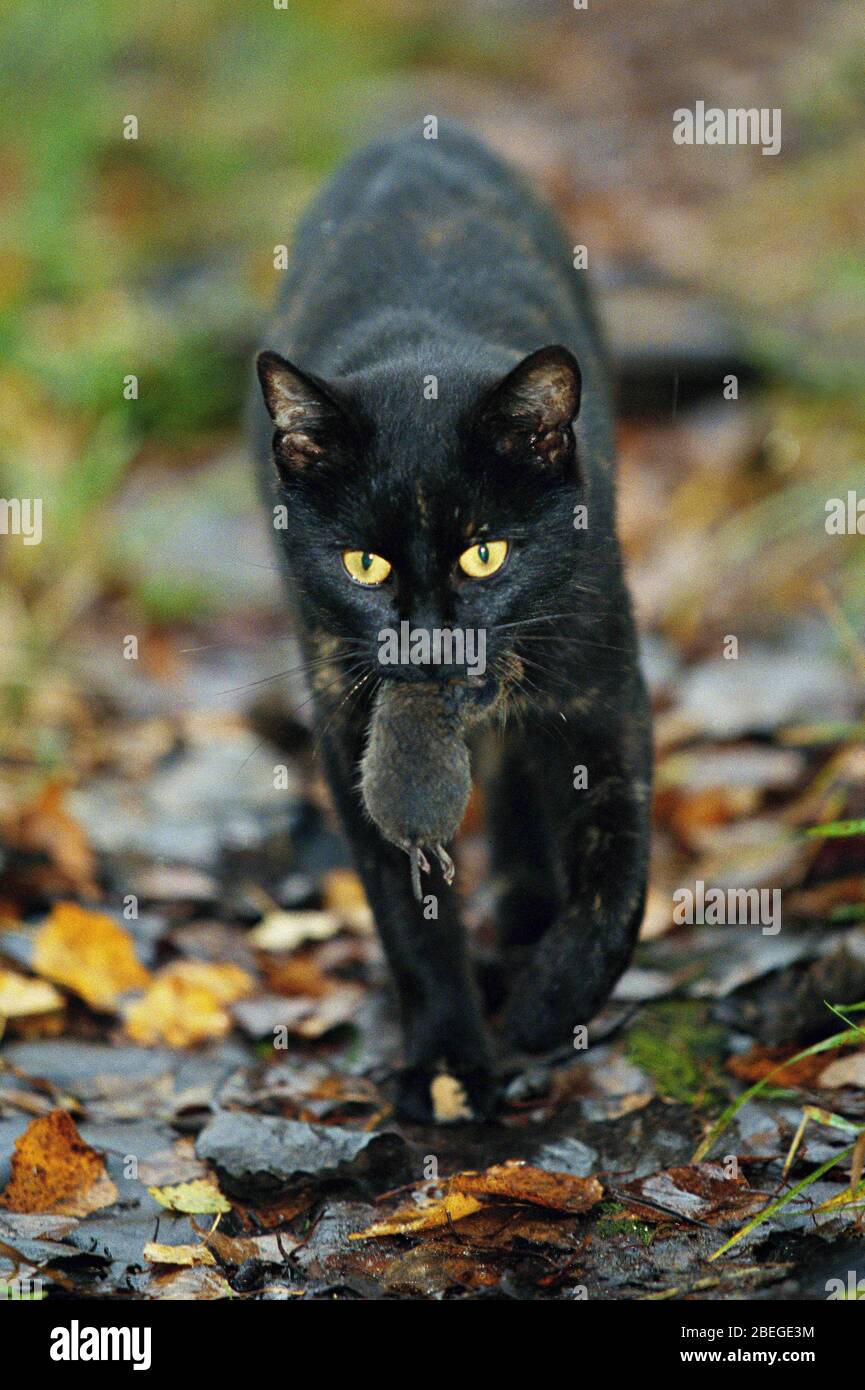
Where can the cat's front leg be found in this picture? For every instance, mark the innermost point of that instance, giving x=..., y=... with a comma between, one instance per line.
x=427, y=953
x=603, y=834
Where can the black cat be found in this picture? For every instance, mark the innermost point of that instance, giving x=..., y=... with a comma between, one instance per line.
x=443, y=450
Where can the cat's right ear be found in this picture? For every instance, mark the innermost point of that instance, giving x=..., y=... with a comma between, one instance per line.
x=309, y=421
x=532, y=411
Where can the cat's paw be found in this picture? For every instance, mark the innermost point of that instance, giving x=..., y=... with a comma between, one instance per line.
x=431, y=1095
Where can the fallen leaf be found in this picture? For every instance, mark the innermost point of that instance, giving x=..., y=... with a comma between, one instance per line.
x=261, y=1157
x=285, y=931
x=516, y=1181
x=432, y=1268
x=759, y=1061
x=406, y=1220
x=301, y=1017
x=21, y=997
x=186, y=1255
x=46, y=828
x=194, y=1284
x=53, y=1170
x=88, y=953
x=236, y=1250
x=194, y=1198
x=296, y=975
x=185, y=1004
x=701, y=1192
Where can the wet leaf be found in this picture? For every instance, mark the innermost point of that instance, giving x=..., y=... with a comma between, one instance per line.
x=519, y=1182
x=701, y=1192
x=261, y=1156
x=407, y=1220
x=187, y=1285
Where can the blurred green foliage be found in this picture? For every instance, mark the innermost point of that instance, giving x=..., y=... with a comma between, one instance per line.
x=154, y=256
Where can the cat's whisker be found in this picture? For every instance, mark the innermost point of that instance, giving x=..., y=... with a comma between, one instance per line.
x=304, y=666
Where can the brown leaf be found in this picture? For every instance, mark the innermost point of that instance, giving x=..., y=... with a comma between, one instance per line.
x=187, y=1285
x=53, y=1170
x=88, y=953
x=699, y=1192
x=516, y=1181
x=46, y=828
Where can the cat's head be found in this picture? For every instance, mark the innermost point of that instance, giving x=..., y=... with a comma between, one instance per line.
x=441, y=500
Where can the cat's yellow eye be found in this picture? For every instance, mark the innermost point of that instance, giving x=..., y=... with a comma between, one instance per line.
x=483, y=559
x=365, y=568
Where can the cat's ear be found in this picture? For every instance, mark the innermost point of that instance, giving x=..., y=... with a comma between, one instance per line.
x=309, y=420
x=533, y=409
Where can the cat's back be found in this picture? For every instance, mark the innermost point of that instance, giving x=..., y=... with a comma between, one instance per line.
x=442, y=229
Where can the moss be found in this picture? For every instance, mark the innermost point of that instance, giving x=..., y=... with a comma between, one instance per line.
x=680, y=1049
x=613, y=1224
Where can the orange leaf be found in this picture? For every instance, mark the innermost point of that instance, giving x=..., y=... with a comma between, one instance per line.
x=519, y=1182
x=46, y=827
x=53, y=1170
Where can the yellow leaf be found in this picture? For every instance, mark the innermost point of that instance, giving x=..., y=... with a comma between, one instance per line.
x=194, y=1198
x=178, y=1254
x=88, y=953
x=409, y=1219
x=185, y=1004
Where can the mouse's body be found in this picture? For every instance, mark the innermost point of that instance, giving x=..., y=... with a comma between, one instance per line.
x=415, y=772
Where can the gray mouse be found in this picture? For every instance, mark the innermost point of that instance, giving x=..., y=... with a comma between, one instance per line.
x=415, y=771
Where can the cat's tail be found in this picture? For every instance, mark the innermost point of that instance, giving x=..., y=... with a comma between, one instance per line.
x=571, y=975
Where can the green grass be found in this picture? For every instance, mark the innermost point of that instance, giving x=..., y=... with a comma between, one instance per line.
x=680, y=1048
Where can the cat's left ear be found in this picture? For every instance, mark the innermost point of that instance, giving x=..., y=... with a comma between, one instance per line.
x=535, y=406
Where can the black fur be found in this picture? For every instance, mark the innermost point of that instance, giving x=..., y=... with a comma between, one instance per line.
x=431, y=258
